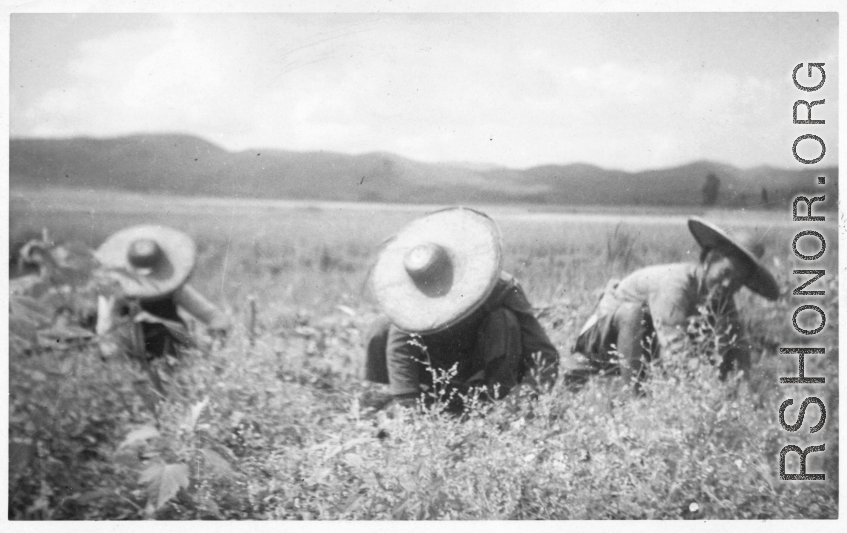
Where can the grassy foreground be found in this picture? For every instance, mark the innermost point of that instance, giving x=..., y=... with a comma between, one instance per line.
x=277, y=424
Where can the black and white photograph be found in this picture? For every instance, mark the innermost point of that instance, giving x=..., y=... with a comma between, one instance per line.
x=395, y=261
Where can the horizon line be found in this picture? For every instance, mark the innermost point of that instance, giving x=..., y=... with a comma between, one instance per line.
x=453, y=162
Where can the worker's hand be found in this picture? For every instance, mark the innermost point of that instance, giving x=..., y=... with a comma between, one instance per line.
x=402, y=404
x=218, y=328
x=405, y=402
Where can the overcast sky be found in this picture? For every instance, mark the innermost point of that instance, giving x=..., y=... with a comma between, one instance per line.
x=621, y=91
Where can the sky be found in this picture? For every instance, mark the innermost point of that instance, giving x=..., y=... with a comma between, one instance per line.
x=619, y=90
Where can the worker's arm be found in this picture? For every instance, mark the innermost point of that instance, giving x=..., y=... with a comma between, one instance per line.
x=188, y=298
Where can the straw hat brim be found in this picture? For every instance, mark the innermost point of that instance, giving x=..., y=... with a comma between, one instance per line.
x=710, y=236
x=173, y=270
x=472, y=243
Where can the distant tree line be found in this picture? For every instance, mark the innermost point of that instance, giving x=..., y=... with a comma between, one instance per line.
x=711, y=195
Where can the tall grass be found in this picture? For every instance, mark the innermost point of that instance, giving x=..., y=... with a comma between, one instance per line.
x=277, y=423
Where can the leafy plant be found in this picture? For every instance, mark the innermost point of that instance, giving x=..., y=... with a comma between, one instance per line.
x=277, y=424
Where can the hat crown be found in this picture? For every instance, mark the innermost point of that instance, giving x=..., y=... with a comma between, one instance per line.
x=437, y=270
x=144, y=253
x=429, y=266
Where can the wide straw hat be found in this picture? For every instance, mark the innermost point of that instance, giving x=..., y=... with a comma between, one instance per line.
x=437, y=270
x=745, y=246
x=149, y=262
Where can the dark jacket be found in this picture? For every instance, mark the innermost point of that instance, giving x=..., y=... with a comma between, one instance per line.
x=497, y=346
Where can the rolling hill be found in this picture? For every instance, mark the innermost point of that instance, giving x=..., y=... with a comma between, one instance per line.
x=189, y=165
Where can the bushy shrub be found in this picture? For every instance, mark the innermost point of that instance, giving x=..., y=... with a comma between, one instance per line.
x=278, y=424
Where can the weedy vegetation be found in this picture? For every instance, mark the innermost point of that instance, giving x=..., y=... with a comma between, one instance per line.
x=277, y=423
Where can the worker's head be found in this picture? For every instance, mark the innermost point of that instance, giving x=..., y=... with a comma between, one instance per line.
x=437, y=270
x=148, y=262
x=730, y=262
x=141, y=264
x=724, y=272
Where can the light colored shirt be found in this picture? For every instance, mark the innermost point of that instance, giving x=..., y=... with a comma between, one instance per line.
x=672, y=293
x=188, y=298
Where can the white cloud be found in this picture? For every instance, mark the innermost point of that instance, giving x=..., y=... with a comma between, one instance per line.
x=430, y=91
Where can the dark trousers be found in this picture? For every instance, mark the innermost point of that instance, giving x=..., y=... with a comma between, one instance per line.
x=158, y=340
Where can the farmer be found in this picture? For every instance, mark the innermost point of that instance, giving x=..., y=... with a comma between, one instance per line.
x=150, y=266
x=48, y=306
x=661, y=300
x=449, y=306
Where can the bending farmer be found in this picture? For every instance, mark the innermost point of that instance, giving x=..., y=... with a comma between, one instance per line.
x=449, y=306
x=150, y=266
x=657, y=302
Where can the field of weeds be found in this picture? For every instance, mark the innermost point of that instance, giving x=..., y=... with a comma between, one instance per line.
x=277, y=423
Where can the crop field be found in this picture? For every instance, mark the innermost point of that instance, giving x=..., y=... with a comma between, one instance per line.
x=277, y=423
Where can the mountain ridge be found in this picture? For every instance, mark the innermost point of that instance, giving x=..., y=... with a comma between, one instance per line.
x=186, y=164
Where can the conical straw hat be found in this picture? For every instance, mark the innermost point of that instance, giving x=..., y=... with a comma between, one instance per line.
x=745, y=246
x=437, y=270
x=149, y=262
